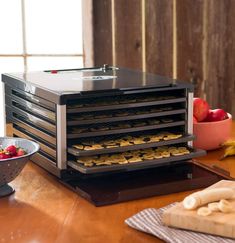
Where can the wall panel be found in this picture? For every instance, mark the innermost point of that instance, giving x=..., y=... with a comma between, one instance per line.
x=102, y=29
x=128, y=33
x=159, y=34
x=189, y=42
x=220, y=54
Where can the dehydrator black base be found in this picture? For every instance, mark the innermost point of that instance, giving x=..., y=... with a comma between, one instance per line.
x=120, y=187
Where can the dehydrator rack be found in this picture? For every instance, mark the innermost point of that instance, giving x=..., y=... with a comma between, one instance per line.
x=62, y=108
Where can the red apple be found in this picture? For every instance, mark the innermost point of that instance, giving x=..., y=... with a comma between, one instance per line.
x=220, y=114
x=216, y=115
x=209, y=117
x=194, y=120
x=200, y=109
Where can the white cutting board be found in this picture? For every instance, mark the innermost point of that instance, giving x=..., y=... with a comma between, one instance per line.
x=222, y=224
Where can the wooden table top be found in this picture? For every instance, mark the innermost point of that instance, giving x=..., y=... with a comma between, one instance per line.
x=42, y=210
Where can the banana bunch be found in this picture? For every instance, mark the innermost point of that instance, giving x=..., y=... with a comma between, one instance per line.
x=230, y=150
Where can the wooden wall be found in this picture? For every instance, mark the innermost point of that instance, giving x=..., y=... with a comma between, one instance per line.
x=191, y=40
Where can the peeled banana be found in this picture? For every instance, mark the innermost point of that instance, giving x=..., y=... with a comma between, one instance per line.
x=200, y=198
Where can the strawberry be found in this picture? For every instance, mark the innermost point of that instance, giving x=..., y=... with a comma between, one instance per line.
x=20, y=152
x=5, y=156
x=11, y=149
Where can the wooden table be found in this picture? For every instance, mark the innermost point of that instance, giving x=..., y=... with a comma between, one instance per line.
x=42, y=210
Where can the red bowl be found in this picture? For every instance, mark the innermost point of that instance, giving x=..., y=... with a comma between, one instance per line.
x=210, y=135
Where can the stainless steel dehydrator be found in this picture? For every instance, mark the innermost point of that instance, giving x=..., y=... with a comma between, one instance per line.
x=109, y=133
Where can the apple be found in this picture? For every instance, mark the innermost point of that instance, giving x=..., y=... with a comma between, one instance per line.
x=194, y=120
x=209, y=117
x=220, y=114
x=200, y=109
x=216, y=115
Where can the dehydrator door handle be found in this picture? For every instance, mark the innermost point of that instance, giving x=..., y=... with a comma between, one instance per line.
x=104, y=68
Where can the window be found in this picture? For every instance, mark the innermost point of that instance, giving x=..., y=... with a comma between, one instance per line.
x=39, y=35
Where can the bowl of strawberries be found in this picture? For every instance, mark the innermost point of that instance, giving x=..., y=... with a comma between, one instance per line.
x=211, y=127
x=14, y=154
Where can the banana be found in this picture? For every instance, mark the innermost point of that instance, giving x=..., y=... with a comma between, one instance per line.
x=229, y=143
x=204, y=211
x=225, y=206
x=229, y=151
x=214, y=207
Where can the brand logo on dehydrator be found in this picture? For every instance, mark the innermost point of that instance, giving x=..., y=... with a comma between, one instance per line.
x=103, y=77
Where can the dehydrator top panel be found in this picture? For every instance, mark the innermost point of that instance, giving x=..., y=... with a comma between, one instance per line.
x=60, y=85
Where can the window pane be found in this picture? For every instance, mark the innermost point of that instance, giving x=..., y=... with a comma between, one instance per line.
x=54, y=26
x=7, y=64
x=11, y=64
x=10, y=27
x=51, y=63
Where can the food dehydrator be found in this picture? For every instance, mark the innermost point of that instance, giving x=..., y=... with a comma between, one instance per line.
x=111, y=134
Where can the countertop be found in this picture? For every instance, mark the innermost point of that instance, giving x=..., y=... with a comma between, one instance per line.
x=43, y=211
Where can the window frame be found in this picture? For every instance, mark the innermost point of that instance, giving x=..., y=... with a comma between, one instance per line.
x=87, y=39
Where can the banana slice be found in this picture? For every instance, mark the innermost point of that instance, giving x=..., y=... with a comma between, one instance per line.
x=225, y=206
x=214, y=207
x=204, y=211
